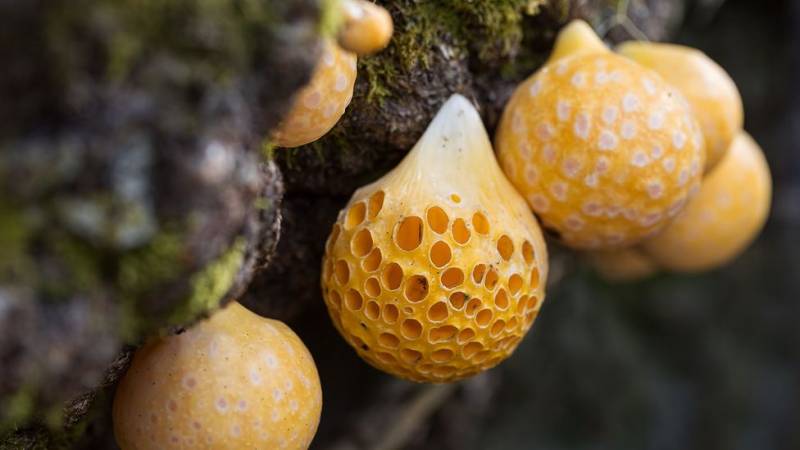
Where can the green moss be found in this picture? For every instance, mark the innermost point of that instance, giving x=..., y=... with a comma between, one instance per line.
x=489, y=30
x=18, y=407
x=330, y=17
x=15, y=235
x=210, y=285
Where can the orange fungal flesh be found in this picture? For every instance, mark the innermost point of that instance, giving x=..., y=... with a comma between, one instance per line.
x=709, y=90
x=454, y=271
x=604, y=151
x=725, y=216
x=234, y=381
x=319, y=105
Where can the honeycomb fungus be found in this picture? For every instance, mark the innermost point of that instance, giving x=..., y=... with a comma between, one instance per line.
x=436, y=271
x=604, y=150
x=319, y=105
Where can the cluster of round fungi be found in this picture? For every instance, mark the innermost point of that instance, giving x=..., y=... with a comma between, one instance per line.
x=604, y=151
x=436, y=296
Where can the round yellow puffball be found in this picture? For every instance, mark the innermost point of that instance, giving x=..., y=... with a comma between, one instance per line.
x=605, y=151
x=234, y=381
x=725, y=216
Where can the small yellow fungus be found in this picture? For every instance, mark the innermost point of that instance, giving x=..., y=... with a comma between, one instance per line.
x=234, y=381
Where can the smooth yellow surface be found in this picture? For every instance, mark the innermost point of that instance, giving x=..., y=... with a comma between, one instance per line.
x=319, y=105
x=235, y=381
x=710, y=91
x=420, y=312
x=724, y=218
x=367, y=29
x=623, y=265
x=605, y=151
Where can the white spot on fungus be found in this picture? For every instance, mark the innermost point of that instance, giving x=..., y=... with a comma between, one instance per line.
x=536, y=87
x=679, y=139
x=579, y=80
x=312, y=100
x=669, y=164
x=640, y=159
x=582, y=125
x=628, y=130
x=563, y=110
x=610, y=114
x=540, y=203
x=630, y=102
x=607, y=140
x=559, y=191
x=549, y=153
x=545, y=131
x=341, y=83
x=656, y=120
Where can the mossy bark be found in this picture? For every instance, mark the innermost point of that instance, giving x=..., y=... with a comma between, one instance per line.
x=134, y=196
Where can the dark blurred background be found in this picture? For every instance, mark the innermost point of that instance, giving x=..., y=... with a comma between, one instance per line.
x=677, y=362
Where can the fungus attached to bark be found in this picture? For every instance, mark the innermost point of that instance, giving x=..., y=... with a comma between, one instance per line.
x=436, y=271
x=709, y=90
x=319, y=105
x=367, y=27
x=726, y=215
x=604, y=150
x=234, y=381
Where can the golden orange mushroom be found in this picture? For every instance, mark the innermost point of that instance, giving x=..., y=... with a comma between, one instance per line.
x=603, y=149
x=710, y=91
x=724, y=218
x=436, y=271
x=319, y=105
x=234, y=381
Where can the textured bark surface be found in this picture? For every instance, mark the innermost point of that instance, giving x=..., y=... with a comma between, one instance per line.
x=133, y=191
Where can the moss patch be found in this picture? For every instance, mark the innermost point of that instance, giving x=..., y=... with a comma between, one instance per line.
x=490, y=30
x=210, y=285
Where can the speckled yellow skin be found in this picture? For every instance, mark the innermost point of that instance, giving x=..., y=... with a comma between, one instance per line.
x=726, y=215
x=604, y=151
x=319, y=105
x=235, y=381
x=710, y=91
x=623, y=265
x=408, y=297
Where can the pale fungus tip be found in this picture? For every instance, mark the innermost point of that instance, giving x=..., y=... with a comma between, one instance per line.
x=367, y=28
x=577, y=38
